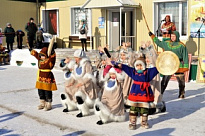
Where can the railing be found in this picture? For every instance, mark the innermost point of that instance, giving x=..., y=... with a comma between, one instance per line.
x=128, y=39
x=102, y=40
x=97, y=41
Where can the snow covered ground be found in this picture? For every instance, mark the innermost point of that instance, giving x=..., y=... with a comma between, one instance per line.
x=19, y=115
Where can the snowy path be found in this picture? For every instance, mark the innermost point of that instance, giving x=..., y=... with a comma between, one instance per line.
x=19, y=115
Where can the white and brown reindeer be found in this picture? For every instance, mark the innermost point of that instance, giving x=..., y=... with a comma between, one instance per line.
x=151, y=56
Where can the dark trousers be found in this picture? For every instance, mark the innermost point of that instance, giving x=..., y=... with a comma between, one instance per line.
x=11, y=45
x=39, y=44
x=30, y=41
x=84, y=44
x=45, y=95
x=181, y=80
x=19, y=44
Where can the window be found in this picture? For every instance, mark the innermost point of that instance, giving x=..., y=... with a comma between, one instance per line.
x=177, y=11
x=50, y=21
x=77, y=14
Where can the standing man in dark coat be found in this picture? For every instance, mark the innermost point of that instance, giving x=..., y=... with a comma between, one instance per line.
x=31, y=30
x=10, y=34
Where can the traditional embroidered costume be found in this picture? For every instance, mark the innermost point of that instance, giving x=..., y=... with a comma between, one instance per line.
x=151, y=57
x=181, y=51
x=168, y=27
x=88, y=91
x=100, y=64
x=141, y=96
x=68, y=97
x=111, y=105
x=126, y=58
x=141, y=90
x=45, y=79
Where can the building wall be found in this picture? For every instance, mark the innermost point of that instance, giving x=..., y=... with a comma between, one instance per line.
x=16, y=13
x=65, y=21
x=192, y=43
x=141, y=30
x=65, y=18
x=98, y=32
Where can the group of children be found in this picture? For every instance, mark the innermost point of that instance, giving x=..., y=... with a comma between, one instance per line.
x=113, y=85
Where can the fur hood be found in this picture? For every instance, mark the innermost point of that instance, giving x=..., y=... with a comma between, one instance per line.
x=120, y=75
x=83, y=75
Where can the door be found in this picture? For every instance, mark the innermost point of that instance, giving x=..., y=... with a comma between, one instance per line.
x=127, y=27
x=115, y=31
x=127, y=33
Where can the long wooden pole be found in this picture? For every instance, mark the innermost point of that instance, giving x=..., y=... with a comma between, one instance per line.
x=147, y=25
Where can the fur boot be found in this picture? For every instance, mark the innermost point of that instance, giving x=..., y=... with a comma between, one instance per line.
x=84, y=110
x=48, y=106
x=42, y=104
x=133, y=120
x=102, y=112
x=81, y=105
x=144, y=122
x=67, y=103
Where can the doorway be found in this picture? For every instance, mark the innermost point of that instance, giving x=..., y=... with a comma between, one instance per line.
x=120, y=32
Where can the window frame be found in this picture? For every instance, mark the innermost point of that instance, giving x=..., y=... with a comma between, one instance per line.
x=57, y=16
x=72, y=17
x=156, y=21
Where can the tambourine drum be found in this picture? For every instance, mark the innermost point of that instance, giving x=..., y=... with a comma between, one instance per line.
x=167, y=63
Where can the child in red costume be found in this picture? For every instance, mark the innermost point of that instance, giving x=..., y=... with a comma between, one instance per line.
x=45, y=80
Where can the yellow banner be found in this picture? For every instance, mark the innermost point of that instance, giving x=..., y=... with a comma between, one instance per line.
x=197, y=17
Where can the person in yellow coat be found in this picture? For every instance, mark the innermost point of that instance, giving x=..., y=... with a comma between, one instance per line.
x=45, y=79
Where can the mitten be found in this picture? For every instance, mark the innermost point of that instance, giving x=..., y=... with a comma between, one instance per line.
x=115, y=64
x=62, y=64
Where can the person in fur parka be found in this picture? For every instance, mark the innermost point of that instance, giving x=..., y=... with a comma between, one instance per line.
x=111, y=106
x=100, y=64
x=128, y=58
x=151, y=56
x=67, y=97
x=87, y=90
x=141, y=96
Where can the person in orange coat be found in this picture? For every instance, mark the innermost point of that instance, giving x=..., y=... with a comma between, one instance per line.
x=167, y=28
x=45, y=81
